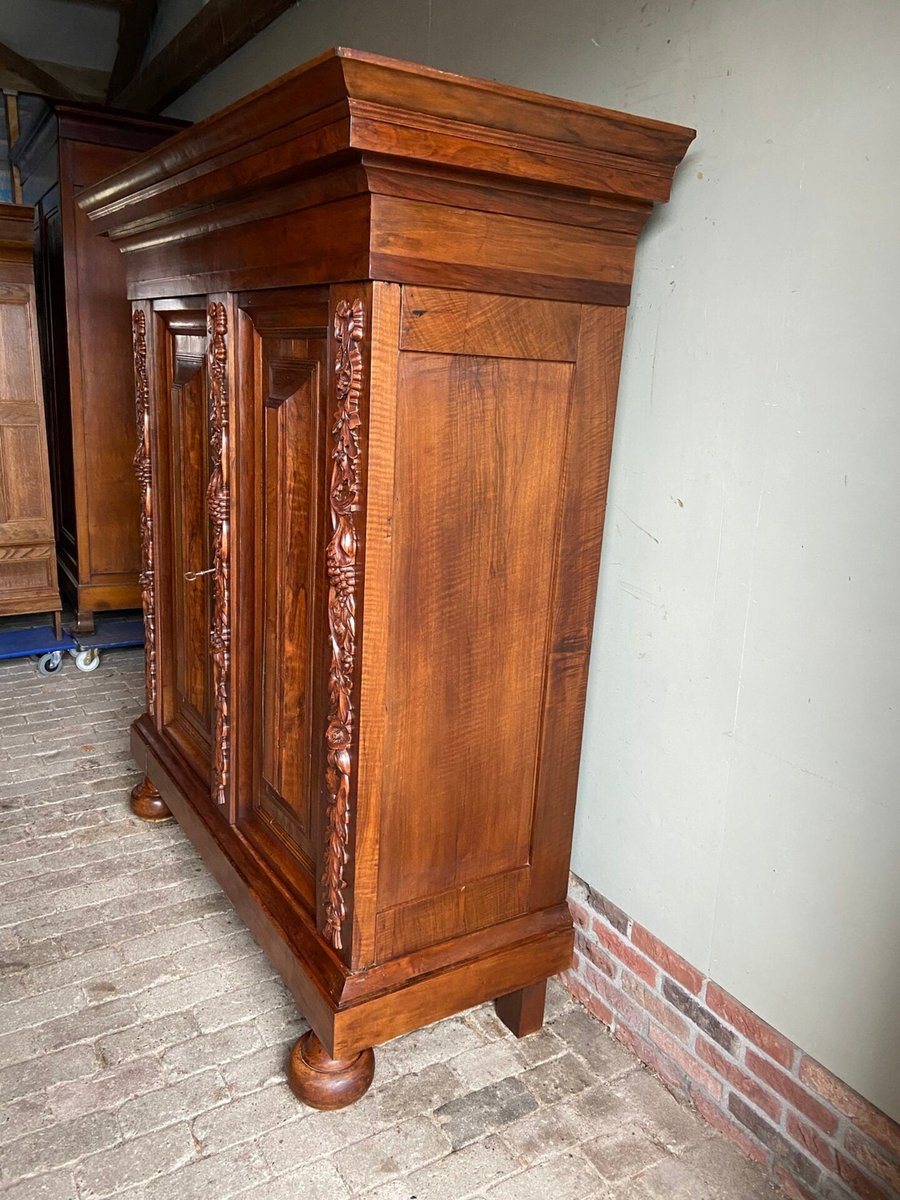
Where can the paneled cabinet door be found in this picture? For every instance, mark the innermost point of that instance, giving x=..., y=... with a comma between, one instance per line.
x=281, y=383
x=27, y=570
x=182, y=542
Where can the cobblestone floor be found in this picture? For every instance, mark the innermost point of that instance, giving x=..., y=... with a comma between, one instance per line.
x=143, y=1033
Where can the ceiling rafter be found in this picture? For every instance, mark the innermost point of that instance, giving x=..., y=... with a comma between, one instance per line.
x=120, y=4
x=218, y=29
x=135, y=23
x=36, y=77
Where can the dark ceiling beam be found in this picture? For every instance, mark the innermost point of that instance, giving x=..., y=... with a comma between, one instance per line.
x=35, y=76
x=218, y=29
x=135, y=24
x=101, y=3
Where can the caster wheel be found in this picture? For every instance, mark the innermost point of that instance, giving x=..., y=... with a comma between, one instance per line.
x=49, y=664
x=87, y=660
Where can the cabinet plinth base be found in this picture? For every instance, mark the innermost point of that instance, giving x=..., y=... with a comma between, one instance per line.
x=324, y=1082
x=147, y=803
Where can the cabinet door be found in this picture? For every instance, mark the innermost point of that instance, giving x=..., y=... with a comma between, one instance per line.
x=183, y=549
x=27, y=575
x=282, y=404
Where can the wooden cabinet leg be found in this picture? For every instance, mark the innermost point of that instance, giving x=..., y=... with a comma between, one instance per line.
x=523, y=1011
x=147, y=803
x=84, y=622
x=57, y=625
x=324, y=1082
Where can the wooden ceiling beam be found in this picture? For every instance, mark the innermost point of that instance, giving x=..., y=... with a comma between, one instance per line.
x=120, y=4
x=218, y=29
x=135, y=24
x=35, y=76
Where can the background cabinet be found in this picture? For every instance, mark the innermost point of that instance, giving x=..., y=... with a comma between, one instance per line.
x=27, y=560
x=85, y=347
x=373, y=454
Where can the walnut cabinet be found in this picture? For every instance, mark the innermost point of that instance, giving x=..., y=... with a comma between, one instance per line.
x=377, y=322
x=85, y=349
x=27, y=560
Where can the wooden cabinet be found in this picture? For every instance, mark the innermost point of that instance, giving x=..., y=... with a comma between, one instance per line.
x=378, y=318
x=86, y=351
x=27, y=560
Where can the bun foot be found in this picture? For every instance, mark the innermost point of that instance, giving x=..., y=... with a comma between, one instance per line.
x=147, y=803
x=324, y=1082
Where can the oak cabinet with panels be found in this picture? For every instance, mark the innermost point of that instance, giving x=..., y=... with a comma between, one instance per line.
x=27, y=560
x=377, y=317
x=86, y=354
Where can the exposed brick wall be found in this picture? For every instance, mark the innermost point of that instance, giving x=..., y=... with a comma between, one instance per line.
x=819, y=1139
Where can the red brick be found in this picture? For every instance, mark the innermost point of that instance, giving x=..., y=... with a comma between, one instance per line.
x=791, y=1187
x=625, y=953
x=713, y=1116
x=730, y=1071
x=609, y=911
x=862, y=1185
x=613, y=996
x=657, y=1062
x=598, y=957
x=684, y=1059
x=869, y=1156
x=750, y=1025
x=585, y=998
x=810, y=1139
x=580, y=915
x=673, y=964
x=655, y=1006
x=697, y=1012
x=865, y=1116
x=800, y=1164
x=792, y=1091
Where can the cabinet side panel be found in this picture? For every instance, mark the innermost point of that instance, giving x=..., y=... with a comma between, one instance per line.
x=100, y=381
x=584, y=504
x=479, y=472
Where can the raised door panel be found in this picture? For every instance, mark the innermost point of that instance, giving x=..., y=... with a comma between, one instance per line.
x=185, y=542
x=26, y=525
x=283, y=349
x=481, y=450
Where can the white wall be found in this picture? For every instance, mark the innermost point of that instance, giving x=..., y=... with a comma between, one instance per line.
x=739, y=788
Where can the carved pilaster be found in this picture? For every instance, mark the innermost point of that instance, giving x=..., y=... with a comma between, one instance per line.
x=340, y=561
x=145, y=483
x=219, y=503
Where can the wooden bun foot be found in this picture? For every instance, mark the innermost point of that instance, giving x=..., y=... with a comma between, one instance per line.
x=324, y=1082
x=147, y=803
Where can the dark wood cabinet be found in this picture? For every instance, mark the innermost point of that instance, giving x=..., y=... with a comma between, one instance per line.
x=378, y=319
x=85, y=346
x=27, y=560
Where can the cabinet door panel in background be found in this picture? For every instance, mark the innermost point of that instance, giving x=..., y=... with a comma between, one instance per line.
x=26, y=523
x=483, y=406
x=184, y=532
x=283, y=349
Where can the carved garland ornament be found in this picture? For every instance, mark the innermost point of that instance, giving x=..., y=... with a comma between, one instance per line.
x=340, y=561
x=143, y=471
x=219, y=503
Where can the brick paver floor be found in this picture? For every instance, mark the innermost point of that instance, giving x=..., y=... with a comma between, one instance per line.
x=143, y=1033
